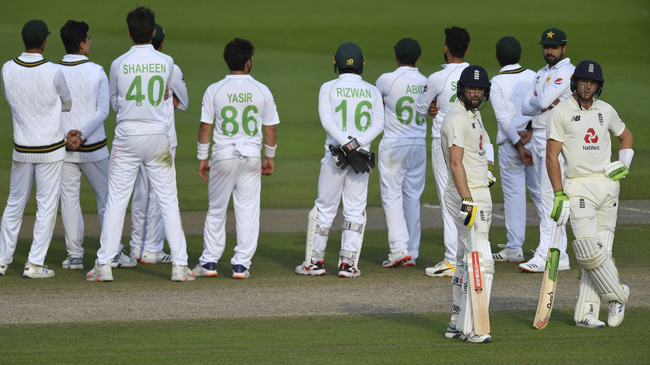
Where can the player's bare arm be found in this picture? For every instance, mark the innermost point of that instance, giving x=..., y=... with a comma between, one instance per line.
x=553, y=149
x=204, y=146
x=269, y=150
x=456, y=154
x=433, y=108
x=626, y=139
x=524, y=154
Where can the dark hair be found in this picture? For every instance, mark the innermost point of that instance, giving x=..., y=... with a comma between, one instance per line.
x=356, y=71
x=457, y=40
x=140, y=22
x=32, y=44
x=72, y=34
x=237, y=53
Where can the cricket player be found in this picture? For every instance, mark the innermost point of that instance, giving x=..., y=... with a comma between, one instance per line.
x=466, y=147
x=438, y=97
x=507, y=92
x=550, y=87
x=578, y=128
x=138, y=83
x=402, y=154
x=245, y=116
x=351, y=112
x=147, y=236
x=37, y=94
x=86, y=143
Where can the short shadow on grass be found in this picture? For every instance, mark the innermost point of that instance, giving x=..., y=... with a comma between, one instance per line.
x=428, y=323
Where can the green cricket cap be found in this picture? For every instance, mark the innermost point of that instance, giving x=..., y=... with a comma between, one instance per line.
x=508, y=50
x=35, y=31
x=349, y=56
x=553, y=36
x=160, y=34
x=408, y=50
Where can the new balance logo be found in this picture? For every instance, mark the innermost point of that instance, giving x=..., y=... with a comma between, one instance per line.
x=575, y=118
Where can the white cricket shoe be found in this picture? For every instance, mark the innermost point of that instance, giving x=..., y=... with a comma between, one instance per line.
x=3, y=269
x=37, y=271
x=182, y=273
x=442, y=269
x=508, y=256
x=103, y=273
x=452, y=332
x=315, y=268
x=563, y=265
x=136, y=253
x=240, y=272
x=474, y=338
x=207, y=270
x=617, y=310
x=591, y=321
x=396, y=259
x=122, y=260
x=73, y=263
x=534, y=265
x=159, y=257
x=410, y=262
x=348, y=271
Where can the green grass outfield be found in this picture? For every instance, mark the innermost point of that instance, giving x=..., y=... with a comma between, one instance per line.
x=295, y=40
x=409, y=337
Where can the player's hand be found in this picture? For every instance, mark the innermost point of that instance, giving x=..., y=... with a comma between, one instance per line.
x=560, y=212
x=166, y=92
x=467, y=212
x=267, y=166
x=490, y=175
x=339, y=157
x=73, y=140
x=616, y=170
x=525, y=136
x=433, y=108
x=204, y=167
x=525, y=156
x=175, y=102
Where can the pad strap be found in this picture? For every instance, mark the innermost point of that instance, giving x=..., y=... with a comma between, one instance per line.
x=348, y=254
x=351, y=226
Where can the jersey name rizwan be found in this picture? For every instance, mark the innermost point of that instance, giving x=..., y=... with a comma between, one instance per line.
x=346, y=92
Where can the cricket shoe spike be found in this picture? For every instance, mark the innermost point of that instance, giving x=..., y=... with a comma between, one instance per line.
x=396, y=259
x=452, y=332
x=617, y=310
x=474, y=338
x=348, y=271
x=315, y=268
x=591, y=321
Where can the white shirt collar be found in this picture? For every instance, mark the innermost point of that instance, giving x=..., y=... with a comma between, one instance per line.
x=74, y=58
x=30, y=57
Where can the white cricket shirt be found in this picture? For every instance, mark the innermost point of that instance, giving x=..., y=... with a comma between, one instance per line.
x=178, y=88
x=508, y=90
x=550, y=84
x=400, y=90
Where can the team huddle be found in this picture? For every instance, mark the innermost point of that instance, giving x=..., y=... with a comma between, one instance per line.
x=553, y=139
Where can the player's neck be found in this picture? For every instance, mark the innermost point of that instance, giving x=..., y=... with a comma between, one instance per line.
x=238, y=72
x=584, y=104
x=452, y=59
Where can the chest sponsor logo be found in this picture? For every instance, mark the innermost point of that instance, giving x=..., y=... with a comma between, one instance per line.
x=575, y=118
x=558, y=81
x=600, y=119
x=591, y=138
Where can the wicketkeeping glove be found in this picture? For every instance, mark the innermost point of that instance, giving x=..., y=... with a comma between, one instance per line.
x=560, y=212
x=490, y=176
x=339, y=157
x=616, y=170
x=467, y=212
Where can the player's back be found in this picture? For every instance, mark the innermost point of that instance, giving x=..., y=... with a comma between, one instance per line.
x=138, y=81
x=512, y=84
x=83, y=78
x=400, y=90
x=239, y=106
x=348, y=102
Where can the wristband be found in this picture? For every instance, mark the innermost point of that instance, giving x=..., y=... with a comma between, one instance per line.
x=269, y=152
x=625, y=156
x=203, y=151
x=559, y=193
x=468, y=199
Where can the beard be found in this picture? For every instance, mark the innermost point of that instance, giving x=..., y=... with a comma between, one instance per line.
x=552, y=60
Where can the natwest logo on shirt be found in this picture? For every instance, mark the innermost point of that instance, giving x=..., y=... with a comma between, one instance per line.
x=590, y=138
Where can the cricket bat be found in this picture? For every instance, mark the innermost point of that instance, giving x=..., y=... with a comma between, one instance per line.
x=476, y=280
x=547, y=294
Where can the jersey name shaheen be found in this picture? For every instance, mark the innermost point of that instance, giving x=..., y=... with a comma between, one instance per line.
x=586, y=144
x=550, y=84
x=508, y=90
x=350, y=107
x=401, y=90
x=239, y=106
x=465, y=129
x=441, y=86
x=138, y=81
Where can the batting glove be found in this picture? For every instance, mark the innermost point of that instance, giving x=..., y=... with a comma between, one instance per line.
x=560, y=212
x=616, y=170
x=338, y=156
x=467, y=212
x=490, y=176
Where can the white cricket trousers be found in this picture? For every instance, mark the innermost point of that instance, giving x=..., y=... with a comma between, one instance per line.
x=483, y=200
x=515, y=177
x=128, y=154
x=334, y=184
x=440, y=173
x=48, y=185
x=594, y=205
x=241, y=178
x=147, y=232
x=402, y=172
x=546, y=225
x=73, y=221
